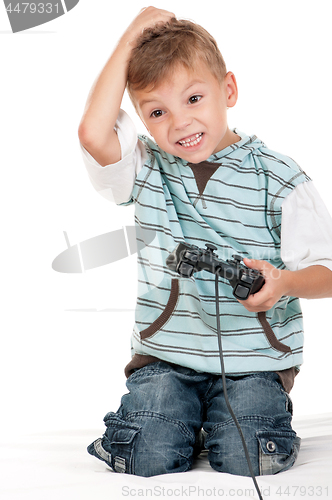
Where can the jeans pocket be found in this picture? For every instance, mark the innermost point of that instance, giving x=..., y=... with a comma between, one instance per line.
x=116, y=446
x=278, y=450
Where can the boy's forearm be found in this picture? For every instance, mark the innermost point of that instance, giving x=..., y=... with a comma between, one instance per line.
x=96, y=129
x=314, y=282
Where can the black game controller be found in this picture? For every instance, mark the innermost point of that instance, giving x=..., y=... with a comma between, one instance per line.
x=188, y=259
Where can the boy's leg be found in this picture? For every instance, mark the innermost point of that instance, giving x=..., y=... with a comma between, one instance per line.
x=155, y=428
x=264, y=412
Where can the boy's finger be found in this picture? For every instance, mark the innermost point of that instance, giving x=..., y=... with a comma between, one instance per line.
x=259, y=265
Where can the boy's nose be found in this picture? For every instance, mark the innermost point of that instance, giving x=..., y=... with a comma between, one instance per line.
x=181, y=120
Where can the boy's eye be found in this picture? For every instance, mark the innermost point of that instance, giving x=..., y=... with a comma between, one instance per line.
x=195, y=98
x=157, y=113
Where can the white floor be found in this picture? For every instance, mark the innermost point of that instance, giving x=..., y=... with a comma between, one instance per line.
x=56, y=466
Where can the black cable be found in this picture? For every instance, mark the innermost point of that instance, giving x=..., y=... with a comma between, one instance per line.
x=225, y=391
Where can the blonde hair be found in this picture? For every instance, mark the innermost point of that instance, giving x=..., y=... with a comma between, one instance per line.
x=159, y=50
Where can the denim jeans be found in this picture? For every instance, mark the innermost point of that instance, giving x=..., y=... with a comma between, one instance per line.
x=160, y=423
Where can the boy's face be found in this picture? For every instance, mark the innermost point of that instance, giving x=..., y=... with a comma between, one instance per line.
x=187, y=114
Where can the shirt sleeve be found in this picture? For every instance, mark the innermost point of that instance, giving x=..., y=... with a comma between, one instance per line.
x=115, y=182
x=306, y=229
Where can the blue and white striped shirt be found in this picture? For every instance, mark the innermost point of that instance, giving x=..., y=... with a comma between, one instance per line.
x=233, y=201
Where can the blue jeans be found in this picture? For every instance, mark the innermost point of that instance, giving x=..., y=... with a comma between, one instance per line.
x=159, y=426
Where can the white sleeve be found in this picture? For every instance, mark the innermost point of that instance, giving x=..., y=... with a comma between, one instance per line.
x=115, y=182
x=306, y=229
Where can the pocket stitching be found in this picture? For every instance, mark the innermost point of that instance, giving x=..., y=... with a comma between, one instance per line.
x=166, y=314
x=270, y=335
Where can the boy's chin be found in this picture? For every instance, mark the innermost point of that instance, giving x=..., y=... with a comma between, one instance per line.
x=185, y=154
x=194, y=160
x=197, y=157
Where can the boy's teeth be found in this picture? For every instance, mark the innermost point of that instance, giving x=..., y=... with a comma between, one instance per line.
x=192, y=141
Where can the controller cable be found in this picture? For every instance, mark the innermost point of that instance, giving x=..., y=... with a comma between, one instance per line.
x=225, y=391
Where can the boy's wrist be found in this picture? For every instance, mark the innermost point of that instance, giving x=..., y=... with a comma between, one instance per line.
x=127, y=40
x=312, y=282
x=124, y=47
x=288, y=282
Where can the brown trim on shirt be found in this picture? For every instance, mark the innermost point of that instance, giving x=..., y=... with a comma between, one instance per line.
x=270, y=335
x=166, y=314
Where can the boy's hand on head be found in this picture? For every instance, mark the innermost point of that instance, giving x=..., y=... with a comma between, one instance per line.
x=96, y=129
x=147, y=18
x=273, y=289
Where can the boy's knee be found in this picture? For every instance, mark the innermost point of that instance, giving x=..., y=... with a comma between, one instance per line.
x=148, y=444
x=270, y=451
x=226, y=453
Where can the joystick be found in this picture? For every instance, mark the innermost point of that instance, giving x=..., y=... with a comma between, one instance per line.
x=188, y=259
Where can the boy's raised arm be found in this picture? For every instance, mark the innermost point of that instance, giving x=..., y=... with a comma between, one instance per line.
x=96, y=131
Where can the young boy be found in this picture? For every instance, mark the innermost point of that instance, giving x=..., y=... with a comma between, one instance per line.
x=201, y=182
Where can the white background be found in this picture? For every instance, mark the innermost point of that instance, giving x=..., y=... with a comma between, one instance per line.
x=63, y=369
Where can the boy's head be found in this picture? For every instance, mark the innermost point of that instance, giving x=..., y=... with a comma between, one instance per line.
x=159, y=50
x=178, y=83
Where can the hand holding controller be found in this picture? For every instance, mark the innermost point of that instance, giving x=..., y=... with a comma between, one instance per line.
x=187, y=259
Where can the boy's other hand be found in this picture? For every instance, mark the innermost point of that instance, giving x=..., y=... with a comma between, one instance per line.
x=272, y=290
x=147, y=18
x=312, y=282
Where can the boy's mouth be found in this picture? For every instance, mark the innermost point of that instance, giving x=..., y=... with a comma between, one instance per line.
x=191, y=141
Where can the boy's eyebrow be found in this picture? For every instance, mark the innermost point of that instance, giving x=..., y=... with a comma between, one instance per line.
x=145, y=101
x=153, y=98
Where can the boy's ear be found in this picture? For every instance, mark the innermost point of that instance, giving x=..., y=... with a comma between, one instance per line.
x=231, y=89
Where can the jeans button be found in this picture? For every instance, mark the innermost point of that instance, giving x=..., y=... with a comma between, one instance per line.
x=271, y=447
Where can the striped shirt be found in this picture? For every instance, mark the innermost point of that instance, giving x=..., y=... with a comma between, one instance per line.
x=232, y=201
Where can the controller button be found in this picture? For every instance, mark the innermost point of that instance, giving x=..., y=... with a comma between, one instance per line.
x=210, y=247
x=241, y=292
x=237, y=258
x=193, y=256
x=246, y=278
x=185, y=270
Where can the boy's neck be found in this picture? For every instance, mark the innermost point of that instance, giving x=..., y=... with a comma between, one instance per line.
x=229, y=138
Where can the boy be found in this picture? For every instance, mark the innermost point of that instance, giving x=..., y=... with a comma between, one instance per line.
x=201, y=182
